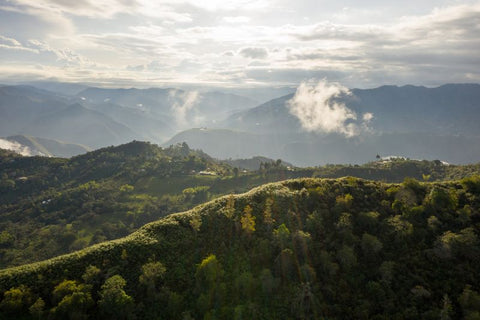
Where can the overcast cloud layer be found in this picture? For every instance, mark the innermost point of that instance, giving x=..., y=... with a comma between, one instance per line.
x=240, y=43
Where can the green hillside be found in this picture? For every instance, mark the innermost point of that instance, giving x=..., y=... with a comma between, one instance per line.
x=53, y=206
x=299, y=249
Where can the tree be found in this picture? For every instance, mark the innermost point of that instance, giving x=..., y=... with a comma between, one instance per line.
x=37, y=309
x=230, y=207
x=152, y=275
x=16, y=300
x=370, y=244
x=469, y=300
x=267, y=212
x=346, y=257
x=446, y=312
x=282, y=236
x=73, y=300
x=247, y=220
x=196, y=222
x=235, y=172
x=114, y=302
x=304, y=304
x=209, y=278
x=92, y=275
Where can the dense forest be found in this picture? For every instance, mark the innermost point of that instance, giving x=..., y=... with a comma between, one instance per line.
x=53, y=206
x=299, y=249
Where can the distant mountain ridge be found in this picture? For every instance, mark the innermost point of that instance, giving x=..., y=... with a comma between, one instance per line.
x=451, y=108
x=31, y=111
x=415, y=122
x=411, y=121
x=48, y=147
x=98, y=117
x=204, y=108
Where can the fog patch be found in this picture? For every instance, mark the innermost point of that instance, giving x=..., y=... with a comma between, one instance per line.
x=183, y=105
x=317, y=107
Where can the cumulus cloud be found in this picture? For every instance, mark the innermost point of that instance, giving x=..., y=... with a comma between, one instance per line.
x=318, y=110
x=185, y=103
x=254, y=52
x=16, y=147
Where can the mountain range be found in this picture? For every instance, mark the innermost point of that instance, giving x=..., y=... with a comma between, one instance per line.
x=415, y=122
x=410, y=121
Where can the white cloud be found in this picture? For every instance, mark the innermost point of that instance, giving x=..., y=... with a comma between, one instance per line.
x=229, y=5
x=216, y=41
x=317, y=109
x=9, y=41
x=165, y=9
x=13, y=44
x=62, y=55
x=253, y=53
x=367, y=117
x=103, y=8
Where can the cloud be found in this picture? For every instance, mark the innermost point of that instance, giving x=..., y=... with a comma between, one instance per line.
x=62, y=55
x=367, y=117
x=328, y=30
x=237, y=19
x=13, y=44
x=185, y=103
x=227, y=42
x=15, y=146
x=103, y=8
x=228, y=5
x=318, y=110
x=254, y=53
x=9, y=41
x=164, y=9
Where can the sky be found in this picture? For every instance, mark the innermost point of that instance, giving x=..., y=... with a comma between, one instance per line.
x=241, y=43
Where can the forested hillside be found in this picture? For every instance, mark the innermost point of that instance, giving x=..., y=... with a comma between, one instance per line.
x=53, y=206
x=300, y=249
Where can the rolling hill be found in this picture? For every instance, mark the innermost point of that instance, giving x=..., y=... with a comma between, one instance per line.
x=50, y=206
x=307, y=248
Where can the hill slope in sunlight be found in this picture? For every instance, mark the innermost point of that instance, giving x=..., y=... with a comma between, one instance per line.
x=52, y=206
x=308, y=248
